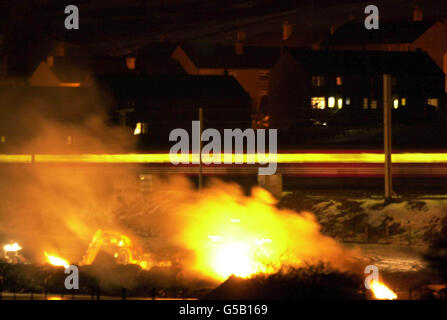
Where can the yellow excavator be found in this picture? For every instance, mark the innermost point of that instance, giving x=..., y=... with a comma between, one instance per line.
x=120, y=246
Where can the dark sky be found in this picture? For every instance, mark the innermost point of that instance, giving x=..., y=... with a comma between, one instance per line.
x=102, y=20
x=114, y=25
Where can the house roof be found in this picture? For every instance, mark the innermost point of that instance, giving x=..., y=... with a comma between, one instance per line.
x=301, y=37
x=73, y=67
x=205, y=55
x=155, y=58
x=68, y=71
x=156, y=49
x=366, y=62
x=172, y=86
x=388, y=32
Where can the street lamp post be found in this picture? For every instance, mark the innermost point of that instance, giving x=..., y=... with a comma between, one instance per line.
x=387, y=134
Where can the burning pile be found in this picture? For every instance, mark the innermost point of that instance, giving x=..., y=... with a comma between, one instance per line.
x=11, y=252
x=121, y=247
x=382, y=292
x=231, y=233
x=227, y=233
x=56, y=261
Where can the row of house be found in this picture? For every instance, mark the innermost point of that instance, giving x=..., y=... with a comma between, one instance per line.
x=312, y=84
x=161, y=86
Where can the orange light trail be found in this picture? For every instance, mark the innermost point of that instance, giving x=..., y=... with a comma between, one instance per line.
x=244, y=158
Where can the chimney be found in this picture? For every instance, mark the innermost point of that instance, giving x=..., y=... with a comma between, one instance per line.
x=238, y=44
x=286, y=30
x=130, y=63
x=5, y=64
x=418, y=14
x=332, y=29
x=50, y=61
x=240, y=36
x=238, y=47
x=59, y=49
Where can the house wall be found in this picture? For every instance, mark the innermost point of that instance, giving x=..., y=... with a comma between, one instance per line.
x=287, y=99
x=434, y=42
x=252, y=82
x=164, y=115
x=249, y=79
x=291, y=92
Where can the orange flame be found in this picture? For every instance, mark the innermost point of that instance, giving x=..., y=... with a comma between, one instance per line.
x=56, y=261
x=231, y=233
x=12, y=247
x=382, y=292
x=237, y=255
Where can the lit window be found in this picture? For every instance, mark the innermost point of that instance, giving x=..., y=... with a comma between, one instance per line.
x=331, y=102
x=130, y=63
x=318, y=103
x=263, y=75
x=373, y=104
x=69, y=140
x=340, y=103
x=2, y=139
x=433, y=102
x=365, y=103
x=317, y=81
x=403, y=102
x=396, y=103
x=339, y=81
x=140, y=128
x=348, y=101
x=263, y=93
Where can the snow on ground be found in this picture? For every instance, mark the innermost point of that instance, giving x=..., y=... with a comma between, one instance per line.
x=414, y=221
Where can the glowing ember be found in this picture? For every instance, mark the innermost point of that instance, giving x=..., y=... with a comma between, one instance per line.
x=13, y=247
x=382, y=292
x=56, y=261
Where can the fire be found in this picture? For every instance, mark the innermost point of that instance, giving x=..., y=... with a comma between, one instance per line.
x=119, y=245
x=238, y=253
x=13, y=247
x=382, y=292
x=234, y=234
x=56, y=261
x=235, y=258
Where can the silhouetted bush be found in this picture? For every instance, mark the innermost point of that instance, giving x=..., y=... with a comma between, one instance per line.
x=309, y=282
